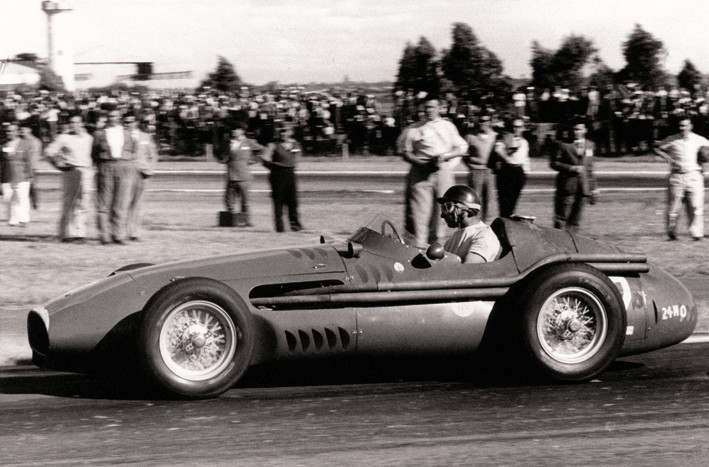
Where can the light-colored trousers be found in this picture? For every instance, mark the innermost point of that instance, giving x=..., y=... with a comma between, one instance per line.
x=75, y=208
x=686, y=187
x=16, y=196
x=135, y=209
x=423, y=214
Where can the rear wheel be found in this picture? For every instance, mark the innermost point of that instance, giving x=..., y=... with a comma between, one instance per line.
x=572, y=323
x=196, y=338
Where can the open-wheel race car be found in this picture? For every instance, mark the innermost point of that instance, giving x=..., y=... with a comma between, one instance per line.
x=567, y=305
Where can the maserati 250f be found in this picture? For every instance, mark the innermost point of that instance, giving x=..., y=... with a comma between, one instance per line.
x=568, y=305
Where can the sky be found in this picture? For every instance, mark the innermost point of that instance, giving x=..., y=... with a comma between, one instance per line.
x=304, y=41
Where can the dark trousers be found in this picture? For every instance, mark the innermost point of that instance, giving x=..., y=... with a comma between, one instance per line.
x=510, y=181
x=114, y=190
x=284, y=193
x=568, y=204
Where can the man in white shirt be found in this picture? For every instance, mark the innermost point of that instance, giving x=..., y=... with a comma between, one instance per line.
x=433, y=147
x=114, y=151
x=473, y=241
x=686, y=179
x=70, y=152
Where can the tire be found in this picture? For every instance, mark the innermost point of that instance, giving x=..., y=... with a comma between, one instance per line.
x=572, y=324
x=196, y=338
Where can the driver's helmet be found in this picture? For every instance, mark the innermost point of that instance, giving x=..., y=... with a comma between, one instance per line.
x=461, y=194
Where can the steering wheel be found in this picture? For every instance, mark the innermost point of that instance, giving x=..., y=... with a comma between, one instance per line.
x=394, y=235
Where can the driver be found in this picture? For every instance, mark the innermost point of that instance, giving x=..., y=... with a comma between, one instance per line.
x=473, y=241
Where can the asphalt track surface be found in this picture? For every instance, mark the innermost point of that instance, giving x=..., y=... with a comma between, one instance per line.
x=651, y=409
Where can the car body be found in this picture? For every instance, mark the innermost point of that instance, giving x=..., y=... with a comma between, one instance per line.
x=568, y=305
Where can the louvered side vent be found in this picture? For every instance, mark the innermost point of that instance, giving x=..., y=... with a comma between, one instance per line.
x=314, y=341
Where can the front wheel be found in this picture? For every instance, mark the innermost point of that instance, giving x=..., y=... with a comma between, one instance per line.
x=196, y=338
x=573, y=323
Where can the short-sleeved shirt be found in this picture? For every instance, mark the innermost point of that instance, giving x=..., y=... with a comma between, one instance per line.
x=683, y=152
x=478, y=239
x=75, y=149
x=479, y=148
x=430, y=138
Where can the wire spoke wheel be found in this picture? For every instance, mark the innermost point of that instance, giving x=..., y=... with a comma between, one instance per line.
x=572, y=325
x=198, y=340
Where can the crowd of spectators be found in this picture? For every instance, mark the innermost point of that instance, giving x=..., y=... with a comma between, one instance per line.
x=191, y=124
x=622, y=119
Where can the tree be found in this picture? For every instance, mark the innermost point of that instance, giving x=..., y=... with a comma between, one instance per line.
x=224, y=78
x=406, y=76
x=563, y=67
x=643, y=55
x=271, y=87
x=689, y=77
x=26, y=57
x=573, y=55
x=49, y=80
x=473, y=69
x=418, y=69
x=603, y=76
x=541, y=63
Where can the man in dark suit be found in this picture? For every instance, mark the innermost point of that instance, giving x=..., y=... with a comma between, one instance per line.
x=280, y=158
x=238, y=159
x=575, y=181
x=114, y=151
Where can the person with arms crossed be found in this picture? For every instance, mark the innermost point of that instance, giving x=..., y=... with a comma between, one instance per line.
x=481, y=142
x=433, y=147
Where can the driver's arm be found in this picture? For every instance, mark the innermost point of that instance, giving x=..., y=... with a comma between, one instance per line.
x=473, y=257
x=483, y=249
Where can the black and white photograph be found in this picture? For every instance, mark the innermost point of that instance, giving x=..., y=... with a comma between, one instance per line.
x=354, y=232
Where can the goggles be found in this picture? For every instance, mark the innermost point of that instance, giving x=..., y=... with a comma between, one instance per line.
x=449, y=206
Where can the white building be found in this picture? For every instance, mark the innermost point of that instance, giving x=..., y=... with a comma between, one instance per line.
x=14, y=74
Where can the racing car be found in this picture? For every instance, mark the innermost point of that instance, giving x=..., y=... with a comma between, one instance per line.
x=567, y=305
